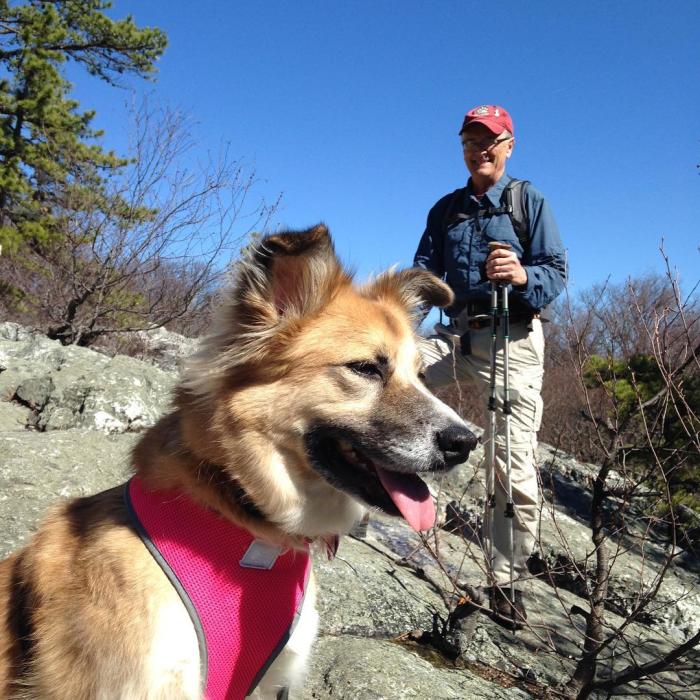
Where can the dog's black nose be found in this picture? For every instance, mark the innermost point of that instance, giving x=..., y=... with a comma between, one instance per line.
x=456, y=443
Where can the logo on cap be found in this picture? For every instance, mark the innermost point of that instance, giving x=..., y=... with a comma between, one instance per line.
x=493, y=117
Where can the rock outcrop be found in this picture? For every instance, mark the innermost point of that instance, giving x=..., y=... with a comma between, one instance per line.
x=70, y=416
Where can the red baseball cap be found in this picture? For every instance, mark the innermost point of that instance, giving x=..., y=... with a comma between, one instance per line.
x=493, y=117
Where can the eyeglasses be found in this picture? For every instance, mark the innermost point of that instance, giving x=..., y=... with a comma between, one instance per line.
x=472, y=145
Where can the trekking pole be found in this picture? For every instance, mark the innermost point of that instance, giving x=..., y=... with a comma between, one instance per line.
x=510, y=508
x=491, y=460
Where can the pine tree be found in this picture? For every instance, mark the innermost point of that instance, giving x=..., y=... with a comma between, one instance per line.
x=48, y=149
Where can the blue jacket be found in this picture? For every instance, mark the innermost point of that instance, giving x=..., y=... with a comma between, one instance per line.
x=459, y=254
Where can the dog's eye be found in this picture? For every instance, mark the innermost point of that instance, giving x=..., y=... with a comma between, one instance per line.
x=366, y=369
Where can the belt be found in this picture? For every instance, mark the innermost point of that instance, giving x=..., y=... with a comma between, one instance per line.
x=477, y=308
x=485, y=320
x=483, y=308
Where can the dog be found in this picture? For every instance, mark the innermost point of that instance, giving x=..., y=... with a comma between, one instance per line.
x=304, y=408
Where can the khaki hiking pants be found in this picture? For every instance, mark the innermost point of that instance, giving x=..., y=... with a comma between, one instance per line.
x=445, y=364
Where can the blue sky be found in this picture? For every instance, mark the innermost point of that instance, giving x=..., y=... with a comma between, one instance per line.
x=350, y=110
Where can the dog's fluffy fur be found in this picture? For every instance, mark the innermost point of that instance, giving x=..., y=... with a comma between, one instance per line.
x=309, y=389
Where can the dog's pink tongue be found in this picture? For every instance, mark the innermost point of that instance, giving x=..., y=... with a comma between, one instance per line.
x=411, y=496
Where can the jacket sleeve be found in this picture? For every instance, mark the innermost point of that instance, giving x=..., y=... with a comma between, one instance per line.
x=545, y=263
x=430, y=253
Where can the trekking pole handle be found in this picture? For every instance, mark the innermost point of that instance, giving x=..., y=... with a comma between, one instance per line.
x=498, y=245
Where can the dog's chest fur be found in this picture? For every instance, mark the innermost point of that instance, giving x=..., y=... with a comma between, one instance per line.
x=171, y=668
x=171, y=665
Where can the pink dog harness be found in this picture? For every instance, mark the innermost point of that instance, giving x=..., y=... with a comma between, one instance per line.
x=244, y=597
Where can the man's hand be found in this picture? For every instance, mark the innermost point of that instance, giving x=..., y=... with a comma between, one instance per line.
x=504, y=267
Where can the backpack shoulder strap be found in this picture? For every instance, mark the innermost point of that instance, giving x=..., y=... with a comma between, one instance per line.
x=453, y=210
x=514, y=200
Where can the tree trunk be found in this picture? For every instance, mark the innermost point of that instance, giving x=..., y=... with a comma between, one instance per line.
x=584, y=675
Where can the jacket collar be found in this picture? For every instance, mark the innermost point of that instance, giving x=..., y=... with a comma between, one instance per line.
x=493, y=194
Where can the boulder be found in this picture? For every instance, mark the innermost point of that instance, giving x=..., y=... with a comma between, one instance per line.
x=350, y=668
x=71, y=387
x=39, y=469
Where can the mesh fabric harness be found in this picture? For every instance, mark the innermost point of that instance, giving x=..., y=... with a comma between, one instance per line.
x=243, y=616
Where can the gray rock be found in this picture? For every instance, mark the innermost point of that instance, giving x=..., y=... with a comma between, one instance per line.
x=34, y=392
x=352, y=668
x=71, y=387
x=13, y=331
x=165, y=349
x=39, y=469
x=564, y=544
x=13, y=416
x=379, y=597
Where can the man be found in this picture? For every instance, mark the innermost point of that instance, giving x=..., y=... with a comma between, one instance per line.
x=455, y=245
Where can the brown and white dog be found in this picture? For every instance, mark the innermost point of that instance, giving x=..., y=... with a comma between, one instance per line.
x=304, y=408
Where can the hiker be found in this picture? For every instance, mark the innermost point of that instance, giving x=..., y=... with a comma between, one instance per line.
x=455, y=246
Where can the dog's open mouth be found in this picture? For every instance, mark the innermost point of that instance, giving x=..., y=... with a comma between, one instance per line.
x=408, y=492
x=351, y=470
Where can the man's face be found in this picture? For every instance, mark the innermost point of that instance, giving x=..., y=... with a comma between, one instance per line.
x=485, y=154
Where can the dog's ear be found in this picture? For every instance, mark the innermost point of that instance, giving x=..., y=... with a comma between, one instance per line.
x=288, y=275
x=414, y=288
x=279, y=280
